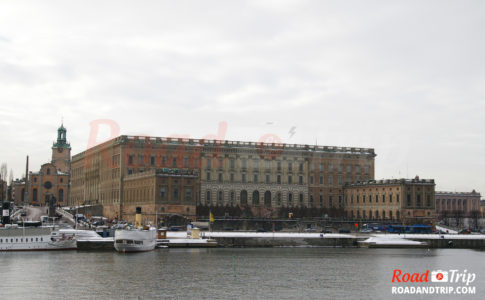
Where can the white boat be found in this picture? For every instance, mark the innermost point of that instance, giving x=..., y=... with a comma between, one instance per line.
x=390, y=242
x=14, y=238
x=135, y=240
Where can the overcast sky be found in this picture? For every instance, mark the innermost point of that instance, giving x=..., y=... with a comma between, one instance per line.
x=406, y=78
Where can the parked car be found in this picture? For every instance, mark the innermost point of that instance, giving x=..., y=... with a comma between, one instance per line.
x=260, y=230
x=325, y=231
x=343, y=230
x=464, y=231
x=366, y=230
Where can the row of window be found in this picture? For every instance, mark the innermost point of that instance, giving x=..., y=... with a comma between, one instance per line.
x=21, y=240
x=164, y=161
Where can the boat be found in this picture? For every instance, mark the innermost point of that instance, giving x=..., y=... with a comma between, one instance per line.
x=137, y=238
x=15, y=238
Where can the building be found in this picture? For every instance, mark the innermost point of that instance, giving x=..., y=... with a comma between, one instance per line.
x=52, y=180
x=449, y=204
x=408, y=201
x=260, y=176
x=267, y=177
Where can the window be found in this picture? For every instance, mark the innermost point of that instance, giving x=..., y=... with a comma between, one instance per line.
x=383, y=198
x=363, y=198
x=231, y=163
x=330, y=167
x=357, y=168
x=221, y=162
x=330, y=179
x=209, y=163
x=130, y=171
x=300, y=179
x=349, y=168
x=232, y=197
x=321, y=200
x=397, y=198
x=312, y=167
x=267, y=178
x=219, y=177
x=390, y=198
x=152, y=160
x=340, y=179
x=300, y=167
x=255, y=178
x=208, y=197
x=186, y=162
x=428, y=200
x=232, y=177
x=162, y=192
x=311, y=179
x=140, y=159
x=219, y=197
x=175, y=194
x=340, y=168
x=208, y=176
x=174, y=162
x=377, y=198
x=330, y=201
x=418, y=200
x=188, y=193
x=301, y=198
x=243, y=178
x=290, y=199
x=321, y=179
x=278, y=166
x=409, y=199
x=289, y=179
x=366, y=169
x=244, y=163
x=290, y=166
x=255, y=164
x=278, y=179
x=48, y=171
x=321, y=167
x=61, y=195
x=130, y=159
x=268, y=164
x=278, y=199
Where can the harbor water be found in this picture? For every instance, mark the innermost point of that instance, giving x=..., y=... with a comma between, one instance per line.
x=231, y=273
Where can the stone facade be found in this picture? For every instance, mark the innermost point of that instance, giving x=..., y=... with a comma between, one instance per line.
x=449, y=203
x=410, y=201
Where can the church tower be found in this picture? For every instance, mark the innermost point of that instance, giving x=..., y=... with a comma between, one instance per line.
x=61, y=151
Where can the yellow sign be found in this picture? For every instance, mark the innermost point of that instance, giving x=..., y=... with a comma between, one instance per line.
x=211, y=217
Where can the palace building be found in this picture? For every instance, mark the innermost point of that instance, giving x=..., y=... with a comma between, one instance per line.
x=409, y=201
x=173, y=175
x=451, y=203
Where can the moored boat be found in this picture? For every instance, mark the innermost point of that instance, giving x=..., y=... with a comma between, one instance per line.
x=136, y=239
x=14, y=238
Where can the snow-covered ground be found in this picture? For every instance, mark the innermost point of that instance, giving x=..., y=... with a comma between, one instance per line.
x=285, y=235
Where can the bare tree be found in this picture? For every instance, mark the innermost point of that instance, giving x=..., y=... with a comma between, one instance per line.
x=3, y=172
x=475, y=215
x=458, y=216
x=10, y=178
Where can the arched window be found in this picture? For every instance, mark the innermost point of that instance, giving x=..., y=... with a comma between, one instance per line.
x=267, y=199
x=61, y=195
x=219, y=197
x=244, y=197
x=48, y=171
x=290, y=199
x=301, y=199
x=231, y=199
x=255, y=198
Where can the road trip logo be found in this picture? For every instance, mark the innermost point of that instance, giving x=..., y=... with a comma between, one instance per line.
x=451, y=281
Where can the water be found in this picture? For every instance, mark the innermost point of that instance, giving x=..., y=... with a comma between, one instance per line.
x=227, y=273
